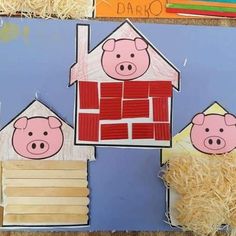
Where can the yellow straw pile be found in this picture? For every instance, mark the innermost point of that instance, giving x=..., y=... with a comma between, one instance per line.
x=206, y=185
x=47, y=8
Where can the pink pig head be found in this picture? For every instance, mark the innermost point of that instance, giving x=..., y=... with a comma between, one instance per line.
x=214, y=133
x=125, y=59
x=37, y=137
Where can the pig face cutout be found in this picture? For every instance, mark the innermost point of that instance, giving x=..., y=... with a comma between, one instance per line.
x=37, y=137
x=125, y=59
x=214, y=133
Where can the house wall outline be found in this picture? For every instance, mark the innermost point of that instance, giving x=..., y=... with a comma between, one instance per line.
x=75, y=75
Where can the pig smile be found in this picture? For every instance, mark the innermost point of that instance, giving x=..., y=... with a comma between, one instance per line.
x=126, y=68
x=37, y=147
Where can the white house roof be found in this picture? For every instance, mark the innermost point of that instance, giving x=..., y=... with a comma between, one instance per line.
x=160, y=68
x=69, y=151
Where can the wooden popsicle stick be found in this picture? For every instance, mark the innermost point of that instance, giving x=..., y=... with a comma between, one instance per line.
x=1, y=182
x=45, y=182
x=202, y=8
x=82, y=201
x=1, y=215
x=45, y=219
x=46, y=209
x=46, y=192
x=171, y=9
x=205, y=3
x=45, y=165
x=45, y=174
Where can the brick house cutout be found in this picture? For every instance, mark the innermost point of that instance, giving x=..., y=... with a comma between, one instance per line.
x=122, y=103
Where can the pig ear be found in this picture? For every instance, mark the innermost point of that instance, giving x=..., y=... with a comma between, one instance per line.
x=140, y=44
x=230, y=119
x=21, y=123
x=198, y=119
x=54, y=122
x=109, y=45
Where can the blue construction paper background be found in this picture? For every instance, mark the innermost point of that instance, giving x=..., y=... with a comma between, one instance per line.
x=126, y=193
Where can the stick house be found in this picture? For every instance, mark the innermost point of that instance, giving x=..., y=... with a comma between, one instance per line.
x=124, y=90
x=44, y=175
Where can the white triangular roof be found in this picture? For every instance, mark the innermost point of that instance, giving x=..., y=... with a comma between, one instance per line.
x=87, y=66
x=128, y=30
x=69, y=151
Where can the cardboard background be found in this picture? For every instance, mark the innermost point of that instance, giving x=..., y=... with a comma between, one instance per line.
x=126, y=193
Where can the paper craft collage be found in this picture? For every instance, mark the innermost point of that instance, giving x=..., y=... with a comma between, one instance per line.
x=136, y=9
x=165, y=8
x=113, y=126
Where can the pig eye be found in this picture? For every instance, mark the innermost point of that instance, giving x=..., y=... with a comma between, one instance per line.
x=45, y=133
x=30, y=133
x=207, y=130
x=118, y=55
x=132, y=55
x=221, y=130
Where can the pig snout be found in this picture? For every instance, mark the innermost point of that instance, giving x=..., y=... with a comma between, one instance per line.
x=214, y=143
x=126, y=68
x=37, y=147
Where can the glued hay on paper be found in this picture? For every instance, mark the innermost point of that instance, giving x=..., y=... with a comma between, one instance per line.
x=62, y=9
x=206, y=185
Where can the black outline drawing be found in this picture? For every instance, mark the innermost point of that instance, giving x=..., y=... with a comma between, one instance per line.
x=204, y=145
x=121, y=39
x=30, y=118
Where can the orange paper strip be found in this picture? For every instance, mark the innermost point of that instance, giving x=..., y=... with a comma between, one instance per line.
x=134, y=9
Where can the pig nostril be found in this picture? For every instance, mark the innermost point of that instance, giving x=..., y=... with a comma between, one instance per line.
x=129, y=67
x=33, y=145
x=210, y=141
x=41, y=145
x=218, y=141
x=122, y=67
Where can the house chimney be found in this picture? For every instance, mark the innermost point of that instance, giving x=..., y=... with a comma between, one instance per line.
x=79, y=69
x=82, y=40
